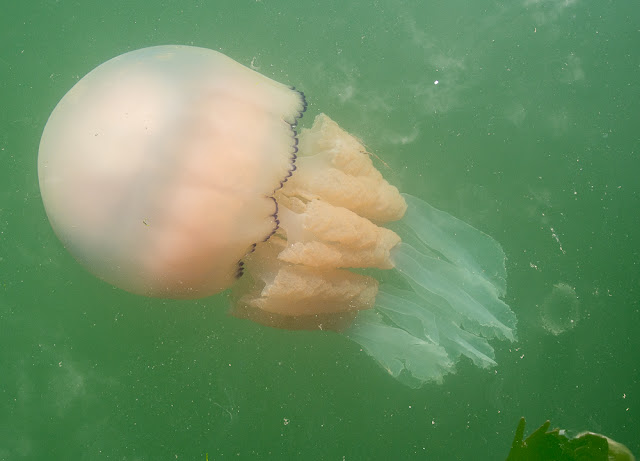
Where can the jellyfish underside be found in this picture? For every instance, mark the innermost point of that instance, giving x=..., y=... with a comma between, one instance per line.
x=176, y=172
x=302, y=278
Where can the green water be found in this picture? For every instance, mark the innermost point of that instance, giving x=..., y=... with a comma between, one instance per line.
x=531, y=134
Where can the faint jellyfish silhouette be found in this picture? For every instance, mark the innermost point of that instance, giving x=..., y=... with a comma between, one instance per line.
x=560, y=311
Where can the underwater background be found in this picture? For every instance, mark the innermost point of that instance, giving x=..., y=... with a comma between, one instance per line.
x=521, y=118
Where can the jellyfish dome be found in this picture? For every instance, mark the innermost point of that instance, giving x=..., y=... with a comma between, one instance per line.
x=158, y=168
x=176, y=172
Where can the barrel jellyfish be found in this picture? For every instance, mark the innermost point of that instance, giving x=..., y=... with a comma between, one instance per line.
x=176, y=172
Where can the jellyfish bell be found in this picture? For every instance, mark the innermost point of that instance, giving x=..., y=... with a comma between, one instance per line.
x=176, y=172
x=158, y=168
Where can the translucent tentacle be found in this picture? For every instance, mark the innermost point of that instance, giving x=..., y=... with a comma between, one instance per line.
x=457, y=276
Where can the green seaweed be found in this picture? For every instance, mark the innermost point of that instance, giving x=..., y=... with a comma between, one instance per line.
x=554, y=445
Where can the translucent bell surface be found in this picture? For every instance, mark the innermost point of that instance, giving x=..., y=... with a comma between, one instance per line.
x=157, y=169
